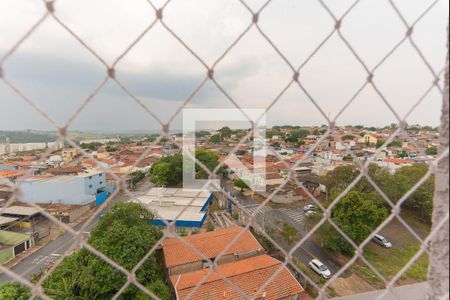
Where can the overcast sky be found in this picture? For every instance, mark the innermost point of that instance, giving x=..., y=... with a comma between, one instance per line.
x=57, y=73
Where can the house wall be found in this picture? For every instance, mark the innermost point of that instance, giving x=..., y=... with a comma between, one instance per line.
x=93, y=183
x=186, y=268
x=74, y=190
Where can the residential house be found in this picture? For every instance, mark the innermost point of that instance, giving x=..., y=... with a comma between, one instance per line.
x=248, y=275
x=180, y=259
x=69, y=153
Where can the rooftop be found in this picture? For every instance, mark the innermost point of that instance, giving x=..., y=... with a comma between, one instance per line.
x=12, y=238
x=6, y=220
x=20, y=211
x=248, y=275
x=211, y=244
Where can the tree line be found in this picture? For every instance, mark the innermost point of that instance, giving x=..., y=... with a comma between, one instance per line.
x=363, y=209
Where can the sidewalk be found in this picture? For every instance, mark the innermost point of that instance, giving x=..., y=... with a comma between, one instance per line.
x=408, y=292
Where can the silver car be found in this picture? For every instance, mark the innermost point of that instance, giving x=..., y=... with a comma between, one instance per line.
x=382, y=241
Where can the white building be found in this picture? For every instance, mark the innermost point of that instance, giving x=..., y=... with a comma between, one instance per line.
x=29, y=147
x=73, y=190
x=189, y=208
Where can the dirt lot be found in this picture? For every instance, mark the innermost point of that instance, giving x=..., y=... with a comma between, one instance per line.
x=351, y=285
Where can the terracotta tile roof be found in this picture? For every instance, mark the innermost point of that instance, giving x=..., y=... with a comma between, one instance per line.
x=248, y=275
x=35, y=176
x=211, y=244
x=272, y=176
x=66, y=170
x=10, y=174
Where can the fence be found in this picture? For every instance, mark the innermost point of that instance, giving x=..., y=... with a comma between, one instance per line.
x=436, y=244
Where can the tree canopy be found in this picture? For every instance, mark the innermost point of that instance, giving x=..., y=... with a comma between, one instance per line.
x=432, y=151
x=14, y=291
x=125, y=235
x=394, y=186
x=357, y=214
x=240, y=184
x=169, y=170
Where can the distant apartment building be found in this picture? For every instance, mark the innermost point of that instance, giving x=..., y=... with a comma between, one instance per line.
x=72, y=190
x=101, y=141
x=11, y=148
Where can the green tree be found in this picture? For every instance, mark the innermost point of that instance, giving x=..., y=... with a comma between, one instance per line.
x=291, y=139
x=215, y=139
x=289, y=233
x=111, y=149
x=94, y=146
x=348, y=158
x=161, y=174
x=300, y=133
x=348, y=137
x=333, y=241
x=421, y=201
x=125, y=235
x=169, y=170
x=380, y=144
x=14, y=291
x=432, y=151
x=395, y=144
x=241, y=184
x=358, y=215
x=136, y=177
x=271, y=133
x=203, y=133
x=209, y=159
x=210, y=227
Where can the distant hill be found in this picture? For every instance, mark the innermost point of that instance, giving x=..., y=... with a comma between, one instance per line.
x=36, y=136
x=28, y=136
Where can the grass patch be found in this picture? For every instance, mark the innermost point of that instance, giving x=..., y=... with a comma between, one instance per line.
x=365, y=272
x=390, y=261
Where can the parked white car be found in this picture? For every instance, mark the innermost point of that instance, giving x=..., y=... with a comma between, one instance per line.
x=310, y=213
x=309, y=208
x=382, y=241
x=321, y=269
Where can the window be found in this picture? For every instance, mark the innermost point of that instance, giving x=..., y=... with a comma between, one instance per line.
x=90, y=186
x=101, y=182
x=90, y=177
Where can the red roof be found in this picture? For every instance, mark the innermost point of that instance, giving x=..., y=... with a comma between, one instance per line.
x=211, y=244
x=10, y=174
x=35, y=176
x=65, y=170
x=248, y=275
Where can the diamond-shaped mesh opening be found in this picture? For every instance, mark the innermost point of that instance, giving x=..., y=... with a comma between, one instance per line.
x=126, y=251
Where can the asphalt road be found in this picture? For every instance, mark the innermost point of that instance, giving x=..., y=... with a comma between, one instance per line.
x=44, y=256
x=309, y=249
x=50, y=252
